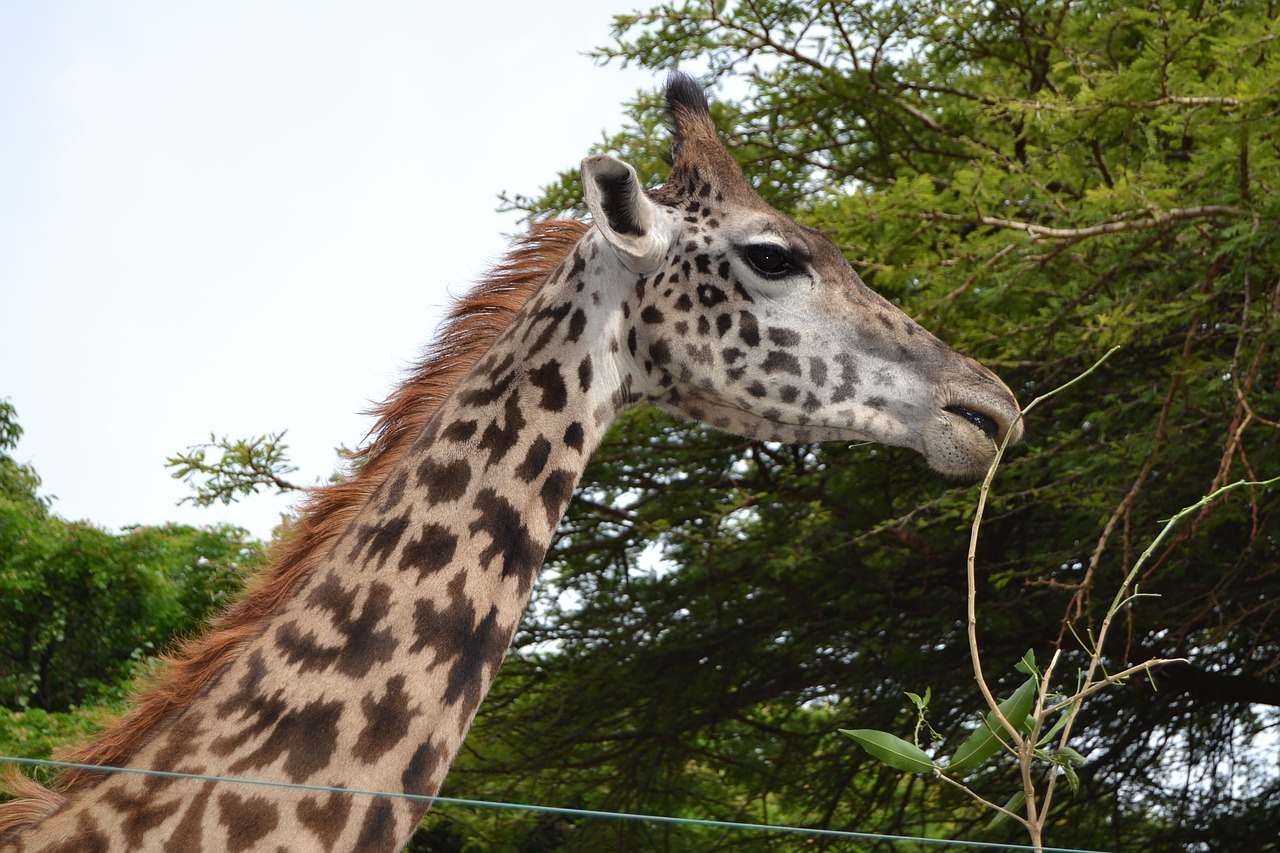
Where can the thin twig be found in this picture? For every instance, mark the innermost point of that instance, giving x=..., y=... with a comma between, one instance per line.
x=1023, y=747
x=972, y=793
x=1115, y=678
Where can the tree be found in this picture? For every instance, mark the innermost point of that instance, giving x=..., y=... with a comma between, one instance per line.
x=81, y=608
x=18, y=483
x=1036, y=182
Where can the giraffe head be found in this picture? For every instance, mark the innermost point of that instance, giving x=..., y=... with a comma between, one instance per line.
x=749, y=321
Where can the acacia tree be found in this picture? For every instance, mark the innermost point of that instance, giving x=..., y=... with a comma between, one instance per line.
x=1036, y=182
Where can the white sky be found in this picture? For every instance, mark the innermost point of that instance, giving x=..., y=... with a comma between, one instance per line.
x=243, y=217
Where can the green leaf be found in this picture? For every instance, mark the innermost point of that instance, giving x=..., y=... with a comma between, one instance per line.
x=892, y=750
x=1067, y=755
x=1014, y=804
x=1027, y=666
x=1073, y=778
x=986, y=741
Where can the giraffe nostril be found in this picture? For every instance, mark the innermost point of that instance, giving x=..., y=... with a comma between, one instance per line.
x=983, y=422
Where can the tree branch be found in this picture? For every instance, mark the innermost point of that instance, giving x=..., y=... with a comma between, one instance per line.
x=1041, y=232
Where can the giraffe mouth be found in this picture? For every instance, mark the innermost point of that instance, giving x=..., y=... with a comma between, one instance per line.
x=986, y=423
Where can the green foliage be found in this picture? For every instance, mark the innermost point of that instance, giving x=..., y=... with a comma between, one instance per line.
x=18, y=483
x=1036, y=183
x=892, y=750
x=243, y=467
x=37, y=733
x=990, y=736
x=81, y=608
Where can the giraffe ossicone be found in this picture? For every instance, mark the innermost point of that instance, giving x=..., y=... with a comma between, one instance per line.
x=360, y=657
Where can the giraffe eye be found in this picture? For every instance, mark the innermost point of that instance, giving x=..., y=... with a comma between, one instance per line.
x=770, y=260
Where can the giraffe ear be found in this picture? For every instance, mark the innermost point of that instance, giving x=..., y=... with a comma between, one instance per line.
x=623, y=213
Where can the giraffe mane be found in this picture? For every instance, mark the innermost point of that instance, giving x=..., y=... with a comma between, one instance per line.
x=471, y=326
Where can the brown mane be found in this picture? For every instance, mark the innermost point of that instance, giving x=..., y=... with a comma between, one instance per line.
x=465, y=335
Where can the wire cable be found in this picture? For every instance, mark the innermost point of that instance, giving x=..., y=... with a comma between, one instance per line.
x=560, y=810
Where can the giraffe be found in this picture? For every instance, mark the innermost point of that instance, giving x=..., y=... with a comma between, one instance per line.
x=359, y=657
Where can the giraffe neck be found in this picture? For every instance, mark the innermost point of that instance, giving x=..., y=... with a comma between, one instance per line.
x=370, y=675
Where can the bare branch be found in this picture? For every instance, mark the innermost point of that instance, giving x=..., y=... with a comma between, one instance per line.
x=1041, y=232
